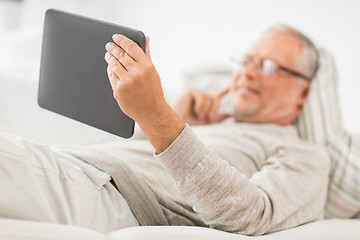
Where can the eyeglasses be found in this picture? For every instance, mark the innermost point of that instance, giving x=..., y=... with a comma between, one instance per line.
x=267, y=66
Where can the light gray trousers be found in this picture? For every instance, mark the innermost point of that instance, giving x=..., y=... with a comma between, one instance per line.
x=36, y=185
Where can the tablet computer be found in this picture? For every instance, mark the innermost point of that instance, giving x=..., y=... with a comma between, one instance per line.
x=73, y=79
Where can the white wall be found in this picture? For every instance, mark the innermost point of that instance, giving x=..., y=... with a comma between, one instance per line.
x=190, y=33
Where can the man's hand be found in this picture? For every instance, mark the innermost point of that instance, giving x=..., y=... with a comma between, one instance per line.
x=196, y=107
x=137, y=89
x=134, y=80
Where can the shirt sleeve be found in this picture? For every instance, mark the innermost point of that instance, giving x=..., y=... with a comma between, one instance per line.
x=289, y=190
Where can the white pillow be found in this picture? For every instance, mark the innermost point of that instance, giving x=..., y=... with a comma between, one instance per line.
x=320, y=122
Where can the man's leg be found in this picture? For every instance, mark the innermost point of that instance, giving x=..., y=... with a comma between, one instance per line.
x=36, y=185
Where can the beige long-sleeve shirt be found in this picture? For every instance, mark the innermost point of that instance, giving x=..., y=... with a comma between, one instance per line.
x=245, y=178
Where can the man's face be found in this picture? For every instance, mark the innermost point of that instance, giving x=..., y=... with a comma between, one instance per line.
x=269, y=98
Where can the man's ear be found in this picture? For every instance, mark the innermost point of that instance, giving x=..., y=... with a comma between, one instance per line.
x=304, y=94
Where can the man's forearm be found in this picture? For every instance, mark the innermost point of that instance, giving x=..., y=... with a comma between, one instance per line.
x=162, y=129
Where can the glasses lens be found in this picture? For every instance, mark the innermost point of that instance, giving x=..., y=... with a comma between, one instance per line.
x=268, y=67
x=240, y=61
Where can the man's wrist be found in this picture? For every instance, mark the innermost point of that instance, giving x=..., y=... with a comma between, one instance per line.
x=162, y=128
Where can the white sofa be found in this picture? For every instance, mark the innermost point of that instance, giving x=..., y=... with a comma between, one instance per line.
x=20, y=114
x=335, y=229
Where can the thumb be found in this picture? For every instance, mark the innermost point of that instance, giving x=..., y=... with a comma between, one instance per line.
x=219, y=117
x=223, y=92
x=147, y=52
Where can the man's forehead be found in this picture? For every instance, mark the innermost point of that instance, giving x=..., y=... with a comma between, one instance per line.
x=284, y=48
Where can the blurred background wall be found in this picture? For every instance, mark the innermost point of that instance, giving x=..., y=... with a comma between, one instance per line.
x=194, y=33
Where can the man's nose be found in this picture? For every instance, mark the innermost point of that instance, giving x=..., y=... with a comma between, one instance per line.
x=243, y=75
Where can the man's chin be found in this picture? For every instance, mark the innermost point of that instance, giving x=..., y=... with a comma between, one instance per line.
x=247, y=113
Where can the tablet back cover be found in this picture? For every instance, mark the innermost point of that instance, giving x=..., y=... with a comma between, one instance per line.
x=73, y=78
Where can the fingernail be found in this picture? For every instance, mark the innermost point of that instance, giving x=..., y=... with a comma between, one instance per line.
x=108, y=45
x=115, y=36
x=107, y=56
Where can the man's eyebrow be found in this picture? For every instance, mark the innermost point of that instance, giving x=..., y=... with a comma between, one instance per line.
x=248, y=55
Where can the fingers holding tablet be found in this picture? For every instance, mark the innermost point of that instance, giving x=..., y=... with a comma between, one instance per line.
x=117, y=57
x=114, y=79
x=130, y=47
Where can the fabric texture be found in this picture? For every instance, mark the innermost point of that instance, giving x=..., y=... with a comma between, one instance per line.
x=36, y=185
x=245, y=178
x=320, y=122
x=141, y=179
x=28, y=230
x=97, y=176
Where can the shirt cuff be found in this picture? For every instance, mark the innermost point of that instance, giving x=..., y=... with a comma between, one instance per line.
x=184, y=154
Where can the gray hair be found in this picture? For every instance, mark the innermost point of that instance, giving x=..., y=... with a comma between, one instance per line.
x=309, y=59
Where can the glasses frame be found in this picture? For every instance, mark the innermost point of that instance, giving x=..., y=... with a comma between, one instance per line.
x=240, y=61
x=295, y=73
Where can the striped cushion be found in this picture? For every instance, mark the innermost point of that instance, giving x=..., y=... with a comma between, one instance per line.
x=320, y=122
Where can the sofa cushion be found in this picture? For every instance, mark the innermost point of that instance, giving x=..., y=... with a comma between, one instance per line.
x=320, y=122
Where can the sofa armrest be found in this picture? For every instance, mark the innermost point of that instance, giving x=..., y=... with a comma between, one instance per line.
x=333, y=229
x=28, y=230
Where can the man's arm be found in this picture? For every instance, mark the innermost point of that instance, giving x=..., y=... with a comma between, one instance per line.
x=137, y=89
x=289, y=189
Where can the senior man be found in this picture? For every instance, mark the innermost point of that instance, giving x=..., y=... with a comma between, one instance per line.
x=248, y=173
